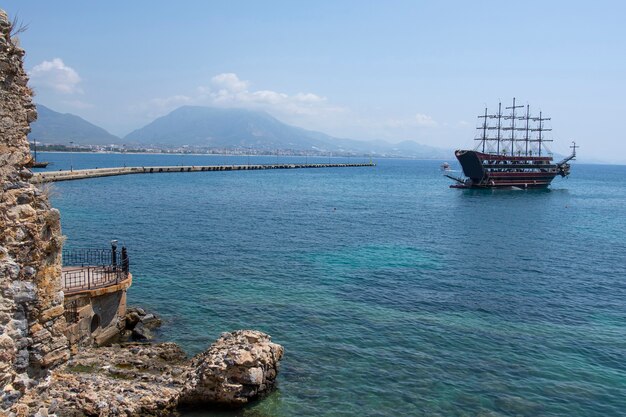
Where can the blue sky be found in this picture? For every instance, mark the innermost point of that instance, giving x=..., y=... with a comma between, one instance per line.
x=392, y=70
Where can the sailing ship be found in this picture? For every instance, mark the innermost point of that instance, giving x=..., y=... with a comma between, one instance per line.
x=511, y=153
x=35, y=163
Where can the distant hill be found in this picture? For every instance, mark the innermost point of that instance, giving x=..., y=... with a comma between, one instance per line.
x=217, y=127
x=210, y=127
x=406, y=149
x=232, y=128
x=63, y=128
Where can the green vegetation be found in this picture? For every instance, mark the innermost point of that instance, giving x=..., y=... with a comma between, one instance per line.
x=84, y=369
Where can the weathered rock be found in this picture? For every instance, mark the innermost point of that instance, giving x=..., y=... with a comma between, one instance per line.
x=141, y=333
x=30, y=236
x=151, y=321
x=51, y=313
x=8, y=353
x=153, y=379
x=140, y=324
x=129, y=380
x=23, y=291
x=239, y=367
x=132, y=318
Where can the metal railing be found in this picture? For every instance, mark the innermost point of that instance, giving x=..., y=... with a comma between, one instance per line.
x=84, y=257
x=88, y=269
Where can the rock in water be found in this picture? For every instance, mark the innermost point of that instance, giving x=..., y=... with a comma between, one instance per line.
x=143, y=379
x=140, y=324
x=141, y=333
x=239, y=367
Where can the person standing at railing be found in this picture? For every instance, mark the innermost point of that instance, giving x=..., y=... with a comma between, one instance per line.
x=125, y=261
x=114, y=253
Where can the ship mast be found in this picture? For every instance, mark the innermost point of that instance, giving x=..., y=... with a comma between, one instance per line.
x=499, y=125
x=573, y=148
x=527, y=127
x=484, y=128
x=512, y=127
x=540, y=129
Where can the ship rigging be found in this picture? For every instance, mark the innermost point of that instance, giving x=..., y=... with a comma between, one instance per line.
x=510, y=154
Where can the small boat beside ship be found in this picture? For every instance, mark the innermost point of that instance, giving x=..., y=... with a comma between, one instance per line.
x=510, y=154
x=39, y=164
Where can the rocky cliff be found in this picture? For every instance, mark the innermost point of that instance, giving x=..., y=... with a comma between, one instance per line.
x=37, y=376
x=31, y=300
x=153, y=380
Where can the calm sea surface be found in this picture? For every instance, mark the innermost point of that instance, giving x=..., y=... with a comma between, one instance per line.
x=392, y=294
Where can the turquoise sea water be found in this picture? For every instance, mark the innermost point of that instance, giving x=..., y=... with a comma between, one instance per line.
x=392, y=294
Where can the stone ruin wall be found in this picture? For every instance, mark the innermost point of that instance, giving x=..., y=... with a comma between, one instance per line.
x=32, y=323
x=238, y=368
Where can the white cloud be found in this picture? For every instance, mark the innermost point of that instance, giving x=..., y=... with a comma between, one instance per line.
x=228, y=90
x=304, y=109
x=419, y=120
x=264, y=97
x=424, y=120
x=173, y=101
x=57, y=76
x=308, y=98
x=230, y=82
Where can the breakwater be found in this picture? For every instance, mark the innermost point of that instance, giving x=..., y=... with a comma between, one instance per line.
x=78, y=174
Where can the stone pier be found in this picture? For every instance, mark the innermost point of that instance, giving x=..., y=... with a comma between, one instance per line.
x=78, y=174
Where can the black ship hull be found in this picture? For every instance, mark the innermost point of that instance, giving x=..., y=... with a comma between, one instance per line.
x=500, y=171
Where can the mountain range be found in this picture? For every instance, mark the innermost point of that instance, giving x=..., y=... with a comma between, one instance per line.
x=63, y=128
x=210, y=127
x=218, y=127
